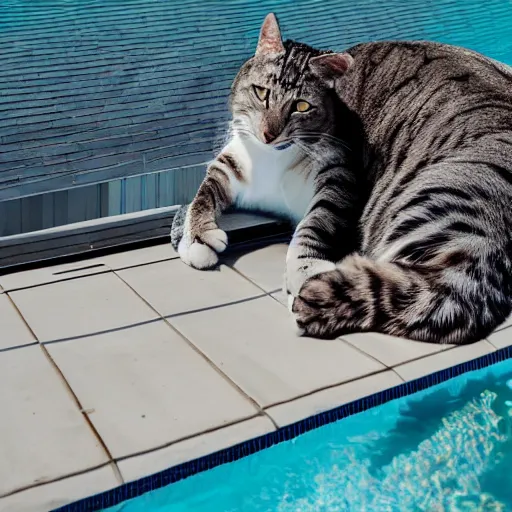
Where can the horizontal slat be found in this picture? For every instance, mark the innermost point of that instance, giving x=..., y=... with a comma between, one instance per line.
x=89, y=239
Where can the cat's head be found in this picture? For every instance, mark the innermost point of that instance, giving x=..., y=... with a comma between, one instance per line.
x=284, y=93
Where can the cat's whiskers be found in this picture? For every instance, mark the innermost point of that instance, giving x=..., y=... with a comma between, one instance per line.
x=314, y=155
x=320, y=136
x=242, y=131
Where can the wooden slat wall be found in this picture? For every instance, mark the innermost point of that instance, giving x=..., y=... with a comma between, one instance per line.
x=52, y=209
x=128, y=195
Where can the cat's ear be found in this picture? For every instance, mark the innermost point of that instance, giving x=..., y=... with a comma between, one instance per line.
x=331, y=65
x=270, y=37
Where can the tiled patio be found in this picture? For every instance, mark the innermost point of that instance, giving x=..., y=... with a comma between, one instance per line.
x=115, y=368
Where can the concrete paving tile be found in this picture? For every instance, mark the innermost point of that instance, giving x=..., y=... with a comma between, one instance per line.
x=44, y=435
x=390, y=350
x=14, y=331
x=442, y=360
x=172, y=287
x=255, y=344
x=327, y=399
x=146, y=387
x=77, y=308
x=204, y=444
x=264, y=266
x=51, y=274
x=62, y=492
x=501, y=338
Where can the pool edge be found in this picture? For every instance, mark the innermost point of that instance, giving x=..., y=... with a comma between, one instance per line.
x=184, y=470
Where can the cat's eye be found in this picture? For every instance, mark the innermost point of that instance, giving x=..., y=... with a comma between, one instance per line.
x=261, y=92
x=302, y=106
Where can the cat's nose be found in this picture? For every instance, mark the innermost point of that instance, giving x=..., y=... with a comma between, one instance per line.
x=268, y=136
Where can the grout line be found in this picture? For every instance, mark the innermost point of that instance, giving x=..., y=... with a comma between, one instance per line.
x=493, y=345
x=361, y=351
x=157, y=318
x=398, y=375
x=217, y=306
x=99, y=333
x=16, y=347
x=57, y=479
x=84, y=414
x=452, y=348
x=502, y=326
x=22, y=318
x=49, y=283
x=329, y=386
x=202, y=354
x=250, y=280
x=193, y=436
x=277, y=300
x=143, y=264
x=415, y=359
x=72, y=394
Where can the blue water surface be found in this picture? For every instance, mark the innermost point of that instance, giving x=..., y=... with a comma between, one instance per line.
x=446, y=448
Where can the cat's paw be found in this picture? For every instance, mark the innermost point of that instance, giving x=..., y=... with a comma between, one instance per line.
x=320, y=310
x=298, y=271
x=201, y=252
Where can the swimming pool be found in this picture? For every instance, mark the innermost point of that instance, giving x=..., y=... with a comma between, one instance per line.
x=446, y=447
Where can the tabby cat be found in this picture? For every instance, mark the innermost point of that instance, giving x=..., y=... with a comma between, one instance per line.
x=394, y=161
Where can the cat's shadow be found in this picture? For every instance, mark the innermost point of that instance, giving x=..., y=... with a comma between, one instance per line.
x=236, y=251
x=249, y=232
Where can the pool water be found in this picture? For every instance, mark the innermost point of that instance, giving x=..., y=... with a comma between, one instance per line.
x=448, y=448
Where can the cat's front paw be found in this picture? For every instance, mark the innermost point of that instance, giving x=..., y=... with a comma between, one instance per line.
x=298, y=271
x=201, y=251
x=197, y=250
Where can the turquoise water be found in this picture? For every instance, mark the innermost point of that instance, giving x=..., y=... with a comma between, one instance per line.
x=448, y=448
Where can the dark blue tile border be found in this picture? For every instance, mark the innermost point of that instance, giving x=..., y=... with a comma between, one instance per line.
x=176, y=473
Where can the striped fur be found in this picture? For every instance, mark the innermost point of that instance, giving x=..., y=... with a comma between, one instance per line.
x=408, y=164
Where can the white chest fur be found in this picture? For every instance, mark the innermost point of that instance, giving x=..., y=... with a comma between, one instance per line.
x=275, y=181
